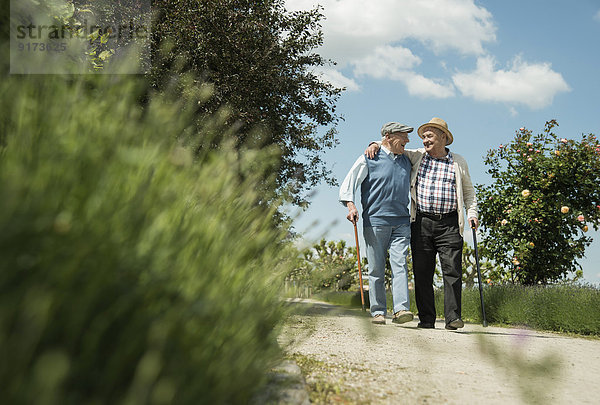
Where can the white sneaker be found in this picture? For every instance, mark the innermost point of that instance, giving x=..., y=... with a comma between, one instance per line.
x=402, y=317
x=378, y=320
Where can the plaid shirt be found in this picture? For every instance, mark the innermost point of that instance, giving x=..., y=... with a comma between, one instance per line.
x=436, y=185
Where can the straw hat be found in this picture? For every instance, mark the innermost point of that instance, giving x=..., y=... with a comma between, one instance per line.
x=439, y=124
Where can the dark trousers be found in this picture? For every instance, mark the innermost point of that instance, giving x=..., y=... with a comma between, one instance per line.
x=431, y=237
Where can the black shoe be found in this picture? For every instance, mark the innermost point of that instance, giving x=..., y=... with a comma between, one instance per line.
x=426, y=325
x=455, y=324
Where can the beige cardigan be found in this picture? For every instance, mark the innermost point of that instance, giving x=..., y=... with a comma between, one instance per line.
x=464, y=187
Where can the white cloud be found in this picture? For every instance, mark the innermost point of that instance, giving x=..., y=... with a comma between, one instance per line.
x=353, y=28
x=533, y=85
x=372, y=39
x=419, y=85
x=385, y=62
x=337, y=79
x=597, y=16
x=365, y=36
x=395, y=63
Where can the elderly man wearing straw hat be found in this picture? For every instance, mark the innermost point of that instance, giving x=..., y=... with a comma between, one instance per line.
x=384, y=181
x=440, y=189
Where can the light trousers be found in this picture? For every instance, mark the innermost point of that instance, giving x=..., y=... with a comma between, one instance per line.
x=380, y=239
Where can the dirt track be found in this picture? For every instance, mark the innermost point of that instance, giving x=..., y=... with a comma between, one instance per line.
x=397, y=364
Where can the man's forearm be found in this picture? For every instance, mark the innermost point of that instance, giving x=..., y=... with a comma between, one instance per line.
x=353, y=179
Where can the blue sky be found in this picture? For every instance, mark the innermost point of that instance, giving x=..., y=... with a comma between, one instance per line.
x=486, y=67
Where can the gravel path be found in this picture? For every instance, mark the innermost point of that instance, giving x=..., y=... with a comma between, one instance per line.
x=346, y=359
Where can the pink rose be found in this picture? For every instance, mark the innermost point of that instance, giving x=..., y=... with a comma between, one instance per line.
x=529, y=159
x=581, y=218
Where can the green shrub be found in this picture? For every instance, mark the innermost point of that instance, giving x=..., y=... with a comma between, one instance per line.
x=327, y=265
x=130, y=272
x=543, y=199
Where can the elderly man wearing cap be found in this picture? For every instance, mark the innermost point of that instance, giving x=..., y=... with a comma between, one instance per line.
x=385, y=183
x=441, y=189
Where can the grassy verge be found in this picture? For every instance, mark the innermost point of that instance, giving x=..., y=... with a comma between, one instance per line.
x=325, y=382
x=563, y=308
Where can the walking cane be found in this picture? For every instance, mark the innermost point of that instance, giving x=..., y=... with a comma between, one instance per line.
x=478, y=273
x=362, y=296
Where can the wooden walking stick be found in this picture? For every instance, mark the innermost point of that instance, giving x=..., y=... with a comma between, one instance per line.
x=478, y=273
x=362, y=296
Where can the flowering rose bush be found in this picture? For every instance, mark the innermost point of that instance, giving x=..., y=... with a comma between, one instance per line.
x=536, y=210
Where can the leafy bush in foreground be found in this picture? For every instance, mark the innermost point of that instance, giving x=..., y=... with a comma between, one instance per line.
x=129, y=273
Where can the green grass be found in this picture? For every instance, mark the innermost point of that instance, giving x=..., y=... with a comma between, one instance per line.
x=325, y=383
x=560, y=308
x=344, y=298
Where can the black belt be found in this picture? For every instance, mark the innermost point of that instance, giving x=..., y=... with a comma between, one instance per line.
x=436, y=217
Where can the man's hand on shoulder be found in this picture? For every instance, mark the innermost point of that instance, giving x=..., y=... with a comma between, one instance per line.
x=372, y=150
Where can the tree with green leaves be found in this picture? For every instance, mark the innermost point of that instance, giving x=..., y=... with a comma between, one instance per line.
x=256, y=59
x=260, y=61
x=543, y=199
